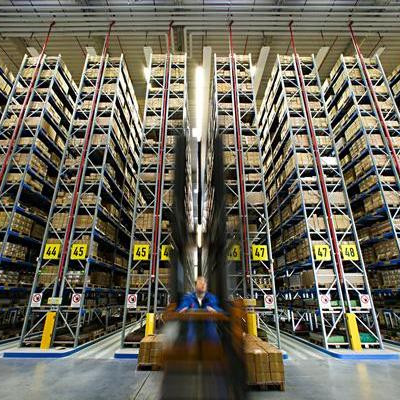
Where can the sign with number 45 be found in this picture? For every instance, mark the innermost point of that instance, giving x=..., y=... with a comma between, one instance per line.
x=141, y=252
x=78, y=251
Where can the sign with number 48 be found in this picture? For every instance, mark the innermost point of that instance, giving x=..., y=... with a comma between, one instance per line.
x=349, y=252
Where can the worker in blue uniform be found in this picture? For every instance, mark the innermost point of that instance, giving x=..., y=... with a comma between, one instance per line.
x=200, y=299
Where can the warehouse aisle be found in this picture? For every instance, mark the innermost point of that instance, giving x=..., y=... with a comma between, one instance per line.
x=101, y=379
x=8, y=346
x=104, y=349
x=299, y=351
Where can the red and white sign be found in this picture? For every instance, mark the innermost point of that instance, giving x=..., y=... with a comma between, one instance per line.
x=269, y=302
x=365, y=301
x=325, y=300
x=36, y=300
x=76, y=300
x=131, y=301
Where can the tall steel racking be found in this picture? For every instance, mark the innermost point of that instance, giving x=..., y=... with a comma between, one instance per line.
x=250, y=272
x=33, y=132
x=320, y=271
x=165, y=118
x=366, y=132
x=81, y=269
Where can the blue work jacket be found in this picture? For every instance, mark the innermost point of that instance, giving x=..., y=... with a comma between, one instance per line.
x=209, y=328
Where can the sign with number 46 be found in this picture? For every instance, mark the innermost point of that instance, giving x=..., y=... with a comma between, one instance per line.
x=234, y=253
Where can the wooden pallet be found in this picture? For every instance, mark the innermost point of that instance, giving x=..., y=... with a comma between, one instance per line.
x=267, y=386
x=148, y=367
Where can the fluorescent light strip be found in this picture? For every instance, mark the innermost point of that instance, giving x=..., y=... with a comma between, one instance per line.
x=198, y=131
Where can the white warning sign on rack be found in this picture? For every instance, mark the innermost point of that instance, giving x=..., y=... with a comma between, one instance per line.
x=76, y=300
x=365, y=301
x=36, y=300
x=269, y=302
x=131, y=301
x=325, y=300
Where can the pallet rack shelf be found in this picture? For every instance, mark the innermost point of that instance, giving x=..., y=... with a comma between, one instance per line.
x=6, y=84
x=165, y=118
x=81, y=269
x=29, y=179
x=318, y=287
x=370, y=171
x=234, y=120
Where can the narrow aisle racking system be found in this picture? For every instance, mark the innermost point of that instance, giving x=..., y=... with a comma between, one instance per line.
x=234, y=119
x=369, y=170
x=165, y=118
x=81, y=270
x=320, y=289
x=6, y=84
x=33, y=132
x=387, y=294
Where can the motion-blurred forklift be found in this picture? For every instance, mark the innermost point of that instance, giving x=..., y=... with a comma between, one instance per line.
x=203, y=368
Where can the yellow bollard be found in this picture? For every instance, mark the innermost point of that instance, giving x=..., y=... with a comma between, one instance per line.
x=251, y=318
x=354, y=334
x=48, y=330
x=149, y=324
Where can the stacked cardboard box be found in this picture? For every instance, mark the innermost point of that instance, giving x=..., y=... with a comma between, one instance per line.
x=151, y=352
x=264, y=363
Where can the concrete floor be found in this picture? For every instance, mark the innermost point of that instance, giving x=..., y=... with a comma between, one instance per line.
x=93, y=374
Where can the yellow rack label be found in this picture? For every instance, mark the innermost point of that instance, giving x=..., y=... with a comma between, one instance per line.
x=52, y=251
x=322, y=252
x=141, y=252
x=166, y=250
x=54, y=301
x=234, y=253
x=79, y=251
x=259, y=252
x=349, y=252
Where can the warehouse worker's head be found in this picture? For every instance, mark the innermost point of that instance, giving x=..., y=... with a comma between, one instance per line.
x=201, y=286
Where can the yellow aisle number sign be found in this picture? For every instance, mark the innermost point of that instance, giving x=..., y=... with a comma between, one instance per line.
x=322, y=252
x=166, y=250
x=349, y=252
x=52, y=251
x=234, y=253
x=78, y=251
x=141, y=252
x=259, y=252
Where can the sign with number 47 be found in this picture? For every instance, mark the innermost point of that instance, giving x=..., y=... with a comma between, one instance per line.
x=259, y=252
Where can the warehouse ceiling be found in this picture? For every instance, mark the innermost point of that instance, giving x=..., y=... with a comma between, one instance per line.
x=256, y=23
